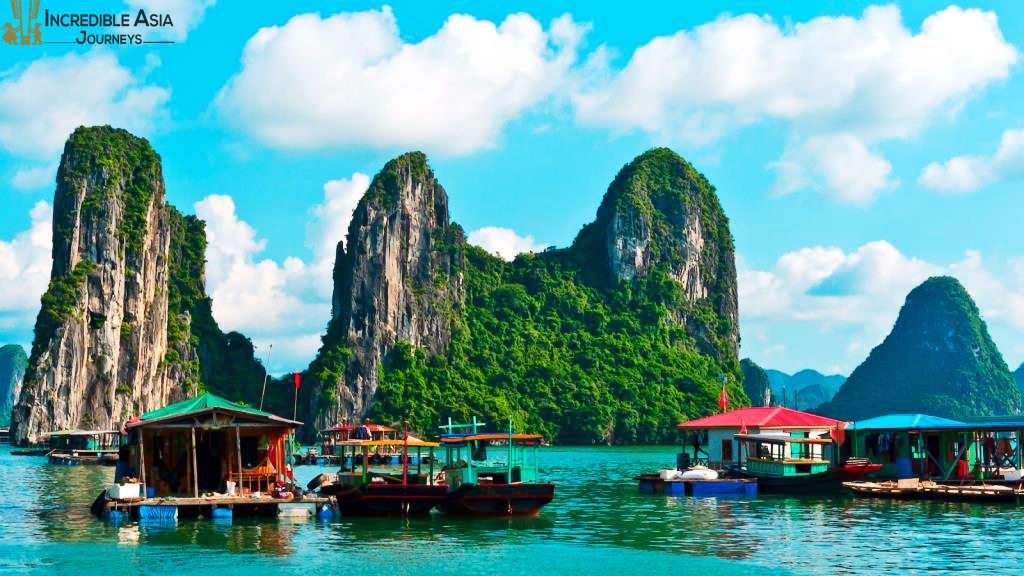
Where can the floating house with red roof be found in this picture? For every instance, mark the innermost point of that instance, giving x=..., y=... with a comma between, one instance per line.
x=710, y=441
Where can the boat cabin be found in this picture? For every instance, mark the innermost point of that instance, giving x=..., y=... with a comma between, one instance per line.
x=85, y=440
x=776, y=455
x=336, y=439
x=209, y=444
x=362, y=451
x=489, y=458
x=713, y=442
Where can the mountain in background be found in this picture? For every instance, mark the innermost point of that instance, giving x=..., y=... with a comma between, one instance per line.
x=805, y=389
x=756, y=384
x=124, y=326
x=938, y=360
x=613, y=339
x=1018, y=375
x=13, y=362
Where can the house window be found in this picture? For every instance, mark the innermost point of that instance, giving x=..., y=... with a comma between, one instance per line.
x=726, y=450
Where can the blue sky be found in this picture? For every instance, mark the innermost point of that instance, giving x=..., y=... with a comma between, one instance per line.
x=856, y=148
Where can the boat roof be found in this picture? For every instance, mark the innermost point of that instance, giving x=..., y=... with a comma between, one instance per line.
x=350, y=427
x=460, y=438
x=82, y=432
x=400, y=442
x=779, y=439
x=762, y=417
x=907, y=422
x=205, y=404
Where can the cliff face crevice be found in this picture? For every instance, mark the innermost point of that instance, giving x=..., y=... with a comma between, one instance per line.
x=101, y=334
x=399, y=277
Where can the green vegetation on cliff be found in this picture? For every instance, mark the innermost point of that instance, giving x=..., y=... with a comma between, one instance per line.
x=557, y=343
x=938, y=360
x=57, y=304
x=755, y=382
x=120, y=161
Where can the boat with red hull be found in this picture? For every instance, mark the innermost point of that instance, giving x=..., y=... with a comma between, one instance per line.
x=384, y=492
x=504, y=483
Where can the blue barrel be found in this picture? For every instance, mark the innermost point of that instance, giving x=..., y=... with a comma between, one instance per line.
x=220, y=513
x=904, y=468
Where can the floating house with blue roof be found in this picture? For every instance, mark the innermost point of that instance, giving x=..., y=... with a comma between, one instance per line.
x=931, y=447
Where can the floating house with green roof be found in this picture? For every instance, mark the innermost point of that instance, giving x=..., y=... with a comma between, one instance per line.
x=208, y=444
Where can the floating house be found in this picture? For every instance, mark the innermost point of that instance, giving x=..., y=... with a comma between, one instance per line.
x=711, y=441
x=930, y=447
x=206, y=455
x=201, y=444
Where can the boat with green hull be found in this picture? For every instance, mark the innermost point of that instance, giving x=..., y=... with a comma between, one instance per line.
x=481, y=484
x=794, y=464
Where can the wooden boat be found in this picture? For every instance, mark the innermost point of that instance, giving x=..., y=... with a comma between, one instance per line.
x=793, y=464
x=383, y=492
x=910, y=488
x=481, y=486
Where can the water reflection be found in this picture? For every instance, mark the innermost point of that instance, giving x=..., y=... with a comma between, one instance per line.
x=598, y=520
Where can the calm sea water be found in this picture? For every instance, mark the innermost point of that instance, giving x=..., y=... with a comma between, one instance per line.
x=598, y=524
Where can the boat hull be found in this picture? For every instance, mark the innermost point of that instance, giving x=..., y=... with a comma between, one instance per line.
x=499, y=499
x=828, y=481
x=386, y=499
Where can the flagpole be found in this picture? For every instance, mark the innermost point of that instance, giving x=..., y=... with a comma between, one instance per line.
x=295, y=407
x=266, y=374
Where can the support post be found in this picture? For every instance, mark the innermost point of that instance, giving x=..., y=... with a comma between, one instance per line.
x=405, y=456
x=195, y=470
x=142, y=461
x=366, y=461
x=431, y=465
x=238, y=451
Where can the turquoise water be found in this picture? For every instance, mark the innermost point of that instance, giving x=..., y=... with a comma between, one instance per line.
x=598, y=524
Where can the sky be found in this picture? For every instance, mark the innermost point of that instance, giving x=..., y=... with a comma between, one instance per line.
x=857, y=148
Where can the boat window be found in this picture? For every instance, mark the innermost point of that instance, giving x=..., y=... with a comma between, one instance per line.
x=480, y=453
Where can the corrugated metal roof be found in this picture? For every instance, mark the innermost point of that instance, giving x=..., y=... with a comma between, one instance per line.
x=906, y=422
x=762, y=417
x=205, y=403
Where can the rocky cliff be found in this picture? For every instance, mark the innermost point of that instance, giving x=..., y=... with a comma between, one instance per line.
x=610, y=340
x=398, y=277
x=938, y=360
x=124, y=326
x=13, y=362
x=661, y=215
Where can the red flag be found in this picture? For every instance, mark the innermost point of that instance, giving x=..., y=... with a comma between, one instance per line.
x=723, y=401
x=296, y=380
x=743, y=425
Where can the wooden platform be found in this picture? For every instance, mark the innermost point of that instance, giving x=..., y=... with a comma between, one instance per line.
x=926, y=489
x=654, y=484
x=214, y=501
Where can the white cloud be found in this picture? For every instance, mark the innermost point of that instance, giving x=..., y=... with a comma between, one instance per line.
x=24, y=274
x=285, y=304
x=962, y=174
x=843, y=82
x=503, y=242
x=35, y=176
x=43, y=102
x=830, y=300
x=330, y=219
x=185, y=14
x=839, y=165
x=350, y=80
